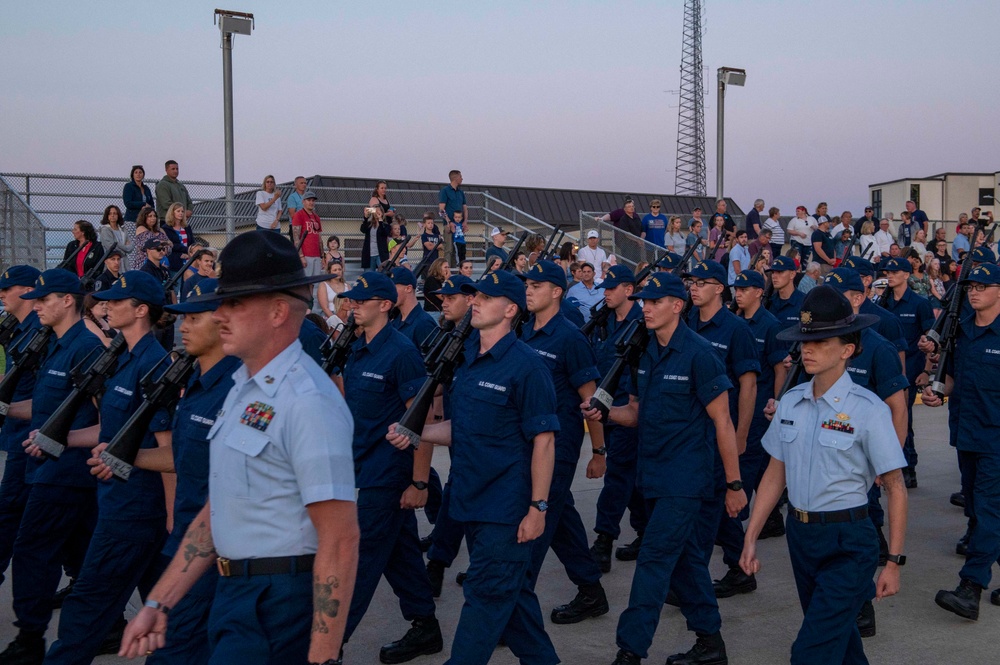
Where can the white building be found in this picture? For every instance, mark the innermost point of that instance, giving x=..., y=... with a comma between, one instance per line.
x=942, y=197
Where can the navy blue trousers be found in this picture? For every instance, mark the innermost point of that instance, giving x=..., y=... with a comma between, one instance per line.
x=909, y=449
x=187, y=629
x=620, y=491
x=434, y=496
x=57, y=525
x=261, y=620
x=390, y=546
x=122, y=556
x=833, y=566
x=13, y=499
x=499, y=599
x=446, y=539
x=673, y=555
x=564, y=532
x=730, y=529
x=983, y=471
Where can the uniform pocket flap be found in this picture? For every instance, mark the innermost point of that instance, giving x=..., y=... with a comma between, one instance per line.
x=247, y=440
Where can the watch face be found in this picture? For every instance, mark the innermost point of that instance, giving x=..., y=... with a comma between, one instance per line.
x=542, y=506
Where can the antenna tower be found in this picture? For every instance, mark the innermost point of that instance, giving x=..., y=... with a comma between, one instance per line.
x=689, y=176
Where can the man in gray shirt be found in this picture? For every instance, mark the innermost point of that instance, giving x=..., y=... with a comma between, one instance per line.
x=169, y=191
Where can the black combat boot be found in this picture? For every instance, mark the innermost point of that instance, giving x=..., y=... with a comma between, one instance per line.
x=957, y=499
x=422, y=639
x=995, y=597
x=601, y=551
x=963, y=601
x=62, y=594
x=910, y=477
x=962, y=546
x=734, y=582
x=590, y=601
x=866, y=620
x=435, y=573
x=629, y=552
x=425, y=544
x=708, y=650
x=113, y=640
x=774, y=526
x=626, y=658
x=26, y=649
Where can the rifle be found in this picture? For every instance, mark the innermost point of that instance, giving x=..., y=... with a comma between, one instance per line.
x=795, y=371
x=512, y=255
x=8, y=328
x=163, y=393
x=27, y=360
x=629, y=349
x=552, y=246
x=945, y=329
x=688, y=253
x=87, y=281
x=411, y=425
x=425, y=261
x=67, y=263
x=51, y=437
x=599, y=312
x=176, y=277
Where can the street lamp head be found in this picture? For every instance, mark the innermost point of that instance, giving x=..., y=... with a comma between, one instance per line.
x=732, y=76
x=234, y=23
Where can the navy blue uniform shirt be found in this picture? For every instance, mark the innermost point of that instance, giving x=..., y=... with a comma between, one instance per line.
x=675, y=384
x=731, y=338
x=916, y=316
x=53, y=384
x=195, y=415
x=15, y=430
x=572, y=363
x=770, y=351
x=877, y=368
x=141, y=498
x=787, y=311
x=571, y=310
x=606, y=352
x=975, y=398
x=888, y=325
x=379, y=378
x=312, y=338
x=417, y=326
x=503, y=399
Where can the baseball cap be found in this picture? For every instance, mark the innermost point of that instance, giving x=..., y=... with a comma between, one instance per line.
x=371, y=285
x=661, y=285
x=55, y=280
x=203, y=287
x=497, y=231
x=403, y=277
x=845, y=279
x=709, y=270
x=19, y=276
x=669, y=261
x=453, y=285
x=546, y=271
x=749, y=278
x=500, y=283
x=309, y=195
x=152, y=243
x=981, y=274
x=134, y=284
x=782, y=264
x=897, y=265
x=861, y=265
x=983, y=254
x=617, y=275
x=593, y=234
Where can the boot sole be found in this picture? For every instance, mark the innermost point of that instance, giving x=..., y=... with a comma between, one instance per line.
x=867, y=632
x=945, y=605
x=437, y=647
x=593, y=612
x=717, y=661
x=737, y=590
x=626, y=556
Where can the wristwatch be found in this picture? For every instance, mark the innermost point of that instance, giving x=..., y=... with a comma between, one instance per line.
x=603, y=450
x=541, y=505
x=735, y=486
x=156, y=605
x=419, y=484
x=898, y=559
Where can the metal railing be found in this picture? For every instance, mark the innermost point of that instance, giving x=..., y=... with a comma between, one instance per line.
x=22, y=234
x=627, y=248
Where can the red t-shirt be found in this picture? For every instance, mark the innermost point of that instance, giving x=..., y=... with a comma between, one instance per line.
x=81, y=258
x=311, y=223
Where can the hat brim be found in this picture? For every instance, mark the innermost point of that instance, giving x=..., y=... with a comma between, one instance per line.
x=41, y=293
x=795, y=333
x=653, y=295
x=189, y=307
x=224, y=292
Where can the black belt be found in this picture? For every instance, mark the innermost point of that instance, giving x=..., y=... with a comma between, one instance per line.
x=829, y=516
x=279, y=565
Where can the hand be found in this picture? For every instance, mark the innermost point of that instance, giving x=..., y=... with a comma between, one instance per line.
x=590, y=414
x=97, y=467
x=735, y=502
x=770, y=409
x=597, y=466
x=29, y=446
x=787, y=362
x=888, y=582
x=277, y=195
x=304, y=262
x=413, y=498
x=741, y=444
x=397, y=440
x=531, y=526
x=925, y=345
x=748, y=560
x=929, y=398
x=144, y=634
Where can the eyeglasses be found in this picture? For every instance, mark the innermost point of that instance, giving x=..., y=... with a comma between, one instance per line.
x=652, y=207
x=978, y=287
x=702, y=283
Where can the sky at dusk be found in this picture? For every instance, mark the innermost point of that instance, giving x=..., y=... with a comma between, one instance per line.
x=551, y=94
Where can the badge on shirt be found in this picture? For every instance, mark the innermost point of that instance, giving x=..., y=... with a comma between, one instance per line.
x=839, y=424
x=258, y=415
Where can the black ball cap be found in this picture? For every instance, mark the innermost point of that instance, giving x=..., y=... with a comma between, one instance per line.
x=259, y=262
x=826, y=313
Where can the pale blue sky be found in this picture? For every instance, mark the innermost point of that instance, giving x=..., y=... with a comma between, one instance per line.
x=562, y=94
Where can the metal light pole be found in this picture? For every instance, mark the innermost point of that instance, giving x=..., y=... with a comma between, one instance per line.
x=727, y=76
x=230, y=23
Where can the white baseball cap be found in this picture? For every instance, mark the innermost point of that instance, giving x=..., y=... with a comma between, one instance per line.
x=593, y=234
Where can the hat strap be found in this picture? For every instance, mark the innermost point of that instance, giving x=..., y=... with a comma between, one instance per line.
x=830, y=326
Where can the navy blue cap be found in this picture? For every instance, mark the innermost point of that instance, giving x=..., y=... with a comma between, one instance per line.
x=546, y=271
x=845, y=279
x=499, y=283
x=134, y=284
x=372, y=285
x=985, y=273
x=749, y=278
x=19, y=276
x=617, y=275
x=709, y=270
x=403, y=277
x=896, y=265
x=661, y=285
x=55, y=280
x=782, y=264
x=669, y=261
x=983, y=254
x=204, y=287
x=153, y=243
x=861, y=265
x=453, y=285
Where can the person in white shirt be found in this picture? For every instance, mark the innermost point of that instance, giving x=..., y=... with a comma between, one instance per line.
x=592, y=254
x=268, y=207
x=883, y=240
x=799, y=233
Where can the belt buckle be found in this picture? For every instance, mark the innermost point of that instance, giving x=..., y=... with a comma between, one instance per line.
x=223, y=566
x=802, y=516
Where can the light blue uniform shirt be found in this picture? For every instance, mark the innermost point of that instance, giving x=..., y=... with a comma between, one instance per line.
x=833, y=447
x=281, y=442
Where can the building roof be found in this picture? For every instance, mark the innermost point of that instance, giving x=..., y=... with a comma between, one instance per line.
x=939, y=176
x=559, y=207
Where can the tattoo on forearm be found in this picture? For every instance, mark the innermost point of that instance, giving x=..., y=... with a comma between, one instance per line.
x=892, y=481
x=324, y=604
x=197, y=544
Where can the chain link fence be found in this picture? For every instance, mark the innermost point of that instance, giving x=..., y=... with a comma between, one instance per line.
x=22, y=233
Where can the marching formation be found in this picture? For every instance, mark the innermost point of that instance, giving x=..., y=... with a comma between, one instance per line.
x=196, y=476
